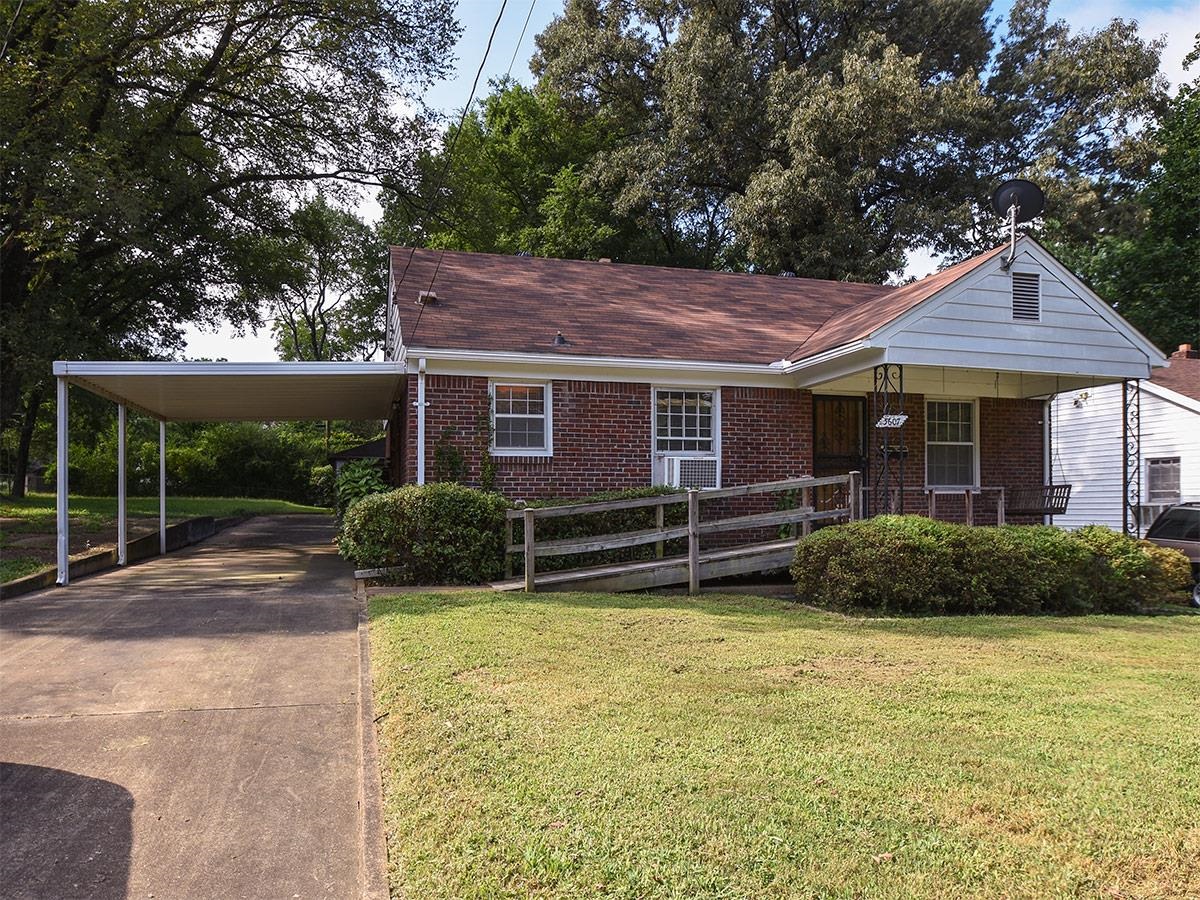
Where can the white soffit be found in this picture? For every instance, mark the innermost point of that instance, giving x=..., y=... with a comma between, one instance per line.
x=252, y=392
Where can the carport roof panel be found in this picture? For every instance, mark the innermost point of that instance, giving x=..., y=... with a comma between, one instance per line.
x=233, y=392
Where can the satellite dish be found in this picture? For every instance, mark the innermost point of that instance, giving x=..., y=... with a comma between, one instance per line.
x=1026, y=196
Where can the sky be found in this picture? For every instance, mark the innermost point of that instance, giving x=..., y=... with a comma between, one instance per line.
x=1177, y=21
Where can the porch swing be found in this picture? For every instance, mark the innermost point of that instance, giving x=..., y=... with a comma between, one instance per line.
x=1047, y=500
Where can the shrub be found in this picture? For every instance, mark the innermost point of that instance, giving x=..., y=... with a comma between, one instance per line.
x=595, y=524
x=322, y=487
x=910, y=564
x=1148, y=572
x=438, y=533
x=358, y=479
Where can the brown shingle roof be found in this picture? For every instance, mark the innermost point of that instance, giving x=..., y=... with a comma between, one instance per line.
x=1182, y=376
x=519, y=303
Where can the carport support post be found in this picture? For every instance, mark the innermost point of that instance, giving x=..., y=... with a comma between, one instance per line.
x=122, y=532
x=162, y=486
x=61, y=486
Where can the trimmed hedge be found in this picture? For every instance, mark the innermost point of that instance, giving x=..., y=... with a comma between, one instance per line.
x=435, y=534
x=911, y=564
x=595, y=524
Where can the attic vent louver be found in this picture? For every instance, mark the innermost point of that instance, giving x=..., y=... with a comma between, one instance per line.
x=424, y=298
x=1027, y=296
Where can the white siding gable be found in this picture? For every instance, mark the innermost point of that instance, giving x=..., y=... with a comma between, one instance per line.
x=971, y=324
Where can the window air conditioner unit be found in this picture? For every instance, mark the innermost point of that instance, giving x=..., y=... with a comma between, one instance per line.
x=690, y=472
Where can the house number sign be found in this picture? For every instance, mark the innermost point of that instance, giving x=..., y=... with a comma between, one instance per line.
x=892, y=421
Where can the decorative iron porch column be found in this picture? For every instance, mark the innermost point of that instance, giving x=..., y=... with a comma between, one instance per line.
x=1131, y=457
x=888, y=417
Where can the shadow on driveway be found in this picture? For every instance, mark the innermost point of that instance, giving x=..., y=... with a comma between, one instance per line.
x=63, y=835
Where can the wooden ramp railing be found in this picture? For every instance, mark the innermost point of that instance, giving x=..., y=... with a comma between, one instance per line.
x=691, y=568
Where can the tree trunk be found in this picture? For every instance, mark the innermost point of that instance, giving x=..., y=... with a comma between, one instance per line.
x=32, y=408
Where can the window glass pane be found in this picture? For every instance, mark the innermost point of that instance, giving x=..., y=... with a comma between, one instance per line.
x=1163, y=479
x=951, y=464
x=683, y=421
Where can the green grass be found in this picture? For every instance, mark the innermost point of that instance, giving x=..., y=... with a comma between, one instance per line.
x=634, y=746
x=39, y=509
x=15, y=567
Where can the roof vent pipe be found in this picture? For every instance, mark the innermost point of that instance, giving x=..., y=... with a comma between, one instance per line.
x=560, y=341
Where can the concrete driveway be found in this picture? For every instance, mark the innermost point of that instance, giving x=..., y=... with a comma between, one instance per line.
x=188, y=727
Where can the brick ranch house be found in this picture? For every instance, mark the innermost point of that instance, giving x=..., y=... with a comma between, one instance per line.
x=568, y=378
x=560, y=378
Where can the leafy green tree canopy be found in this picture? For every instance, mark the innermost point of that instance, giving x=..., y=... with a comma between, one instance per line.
x=146, y=145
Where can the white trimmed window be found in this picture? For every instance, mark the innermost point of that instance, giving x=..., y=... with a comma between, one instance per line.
x=687, y=437
x=950, y=447
x=1162, y=479
x=521, y=420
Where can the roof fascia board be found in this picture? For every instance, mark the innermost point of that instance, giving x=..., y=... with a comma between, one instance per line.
x=443, y=361
x=852, y=362
x=908, y=356
x=82, y=369
x=825, y=356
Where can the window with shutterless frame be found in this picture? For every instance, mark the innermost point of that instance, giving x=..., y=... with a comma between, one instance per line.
x=1162, y=479
x=522, y=423
x=951, y=450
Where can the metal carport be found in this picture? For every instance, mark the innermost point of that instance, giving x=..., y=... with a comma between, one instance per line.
x=214, y=392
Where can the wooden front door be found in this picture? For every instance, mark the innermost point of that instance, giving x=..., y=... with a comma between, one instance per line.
x=839, y=442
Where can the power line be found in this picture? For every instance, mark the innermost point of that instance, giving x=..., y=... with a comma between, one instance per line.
x=521, y=39
x=449, y=153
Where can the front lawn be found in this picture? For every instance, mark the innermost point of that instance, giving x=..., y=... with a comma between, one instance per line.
x=28, y=525
x=579, y=745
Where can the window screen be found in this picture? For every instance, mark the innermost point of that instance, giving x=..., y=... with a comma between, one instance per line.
x=519, y=416
x=949, y=444
x=683, y=421
x=1162, y=479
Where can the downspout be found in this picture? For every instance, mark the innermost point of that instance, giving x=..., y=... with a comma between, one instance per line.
x=420, y=405
x=1047, y=450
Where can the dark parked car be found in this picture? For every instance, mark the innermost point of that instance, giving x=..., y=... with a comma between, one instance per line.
x=1179, y=528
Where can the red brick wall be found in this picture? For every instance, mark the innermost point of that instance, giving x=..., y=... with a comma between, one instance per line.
x=1010, y=455
x=602, y=441
x=602, y=436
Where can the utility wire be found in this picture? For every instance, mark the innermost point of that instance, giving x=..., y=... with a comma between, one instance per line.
x=449, y=153
x=521, y=39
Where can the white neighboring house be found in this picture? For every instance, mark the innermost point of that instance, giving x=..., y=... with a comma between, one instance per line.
x=1087, y=452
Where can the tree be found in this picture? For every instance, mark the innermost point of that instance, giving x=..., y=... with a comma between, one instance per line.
x=325, y=283
x=829, y=141
x=1150, y=268
x=147, y=146
x=514, y=182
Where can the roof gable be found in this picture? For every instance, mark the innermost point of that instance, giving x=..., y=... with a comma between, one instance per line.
x=970, y=321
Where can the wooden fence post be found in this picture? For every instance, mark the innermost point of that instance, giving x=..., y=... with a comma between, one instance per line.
x=508, y=539
x=659, y=521
x=806, y=495
x=1000, y=508
x=854, y=487
x=693, y=502
x=932, y=503
x=529, y=556
x=970, y=502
